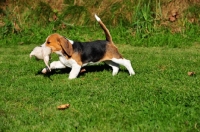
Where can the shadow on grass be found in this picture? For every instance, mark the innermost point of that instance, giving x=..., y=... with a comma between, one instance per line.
x=87, y=69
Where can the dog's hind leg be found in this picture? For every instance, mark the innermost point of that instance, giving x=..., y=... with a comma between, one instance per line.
x=126, y=63
x=115, y=66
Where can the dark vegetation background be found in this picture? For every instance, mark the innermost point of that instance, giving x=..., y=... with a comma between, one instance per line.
x=172, y=23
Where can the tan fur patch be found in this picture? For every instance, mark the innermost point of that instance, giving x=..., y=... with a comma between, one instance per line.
x=111, y=52
x=66, y=46
x=76, y=56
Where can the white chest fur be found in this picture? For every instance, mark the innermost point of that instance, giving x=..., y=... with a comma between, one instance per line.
x=66, y=62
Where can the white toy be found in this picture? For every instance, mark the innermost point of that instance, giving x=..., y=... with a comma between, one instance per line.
x=42, y=53
x=37, y=52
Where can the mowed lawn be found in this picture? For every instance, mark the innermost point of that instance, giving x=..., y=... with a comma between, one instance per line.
x=160, y=97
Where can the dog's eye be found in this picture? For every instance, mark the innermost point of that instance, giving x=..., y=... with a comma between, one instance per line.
x=48, y=42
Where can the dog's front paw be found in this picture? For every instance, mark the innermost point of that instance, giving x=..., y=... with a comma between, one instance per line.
x=132, y=73
x=45, y=70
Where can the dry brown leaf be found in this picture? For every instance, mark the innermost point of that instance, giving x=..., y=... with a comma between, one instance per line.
x=63, y=107
x=191, y=73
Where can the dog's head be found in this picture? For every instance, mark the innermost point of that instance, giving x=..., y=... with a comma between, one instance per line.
x=56, y=43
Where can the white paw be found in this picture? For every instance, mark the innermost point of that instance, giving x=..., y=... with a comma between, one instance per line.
x=132, y=73
x=45, y=70
x=70, y=78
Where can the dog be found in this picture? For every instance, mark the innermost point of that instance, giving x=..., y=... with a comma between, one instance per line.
x=79, y=54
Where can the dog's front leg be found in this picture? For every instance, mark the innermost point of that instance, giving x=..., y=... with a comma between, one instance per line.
x=74, y=71
x=54, y=65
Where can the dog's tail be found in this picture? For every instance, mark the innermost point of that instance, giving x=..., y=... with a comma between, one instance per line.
x=106, y=31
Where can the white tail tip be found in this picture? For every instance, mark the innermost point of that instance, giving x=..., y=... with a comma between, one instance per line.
x=97, y=18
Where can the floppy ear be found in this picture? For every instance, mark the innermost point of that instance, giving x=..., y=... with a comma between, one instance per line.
x=66, y=46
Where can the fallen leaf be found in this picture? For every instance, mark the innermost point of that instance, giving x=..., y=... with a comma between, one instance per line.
x=191, y=73
x=63, y=107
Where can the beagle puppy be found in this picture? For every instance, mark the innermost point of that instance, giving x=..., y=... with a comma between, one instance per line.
x=79, y=54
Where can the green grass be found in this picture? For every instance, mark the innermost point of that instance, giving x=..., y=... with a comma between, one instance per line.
x=160, y=97
x=120, y=34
